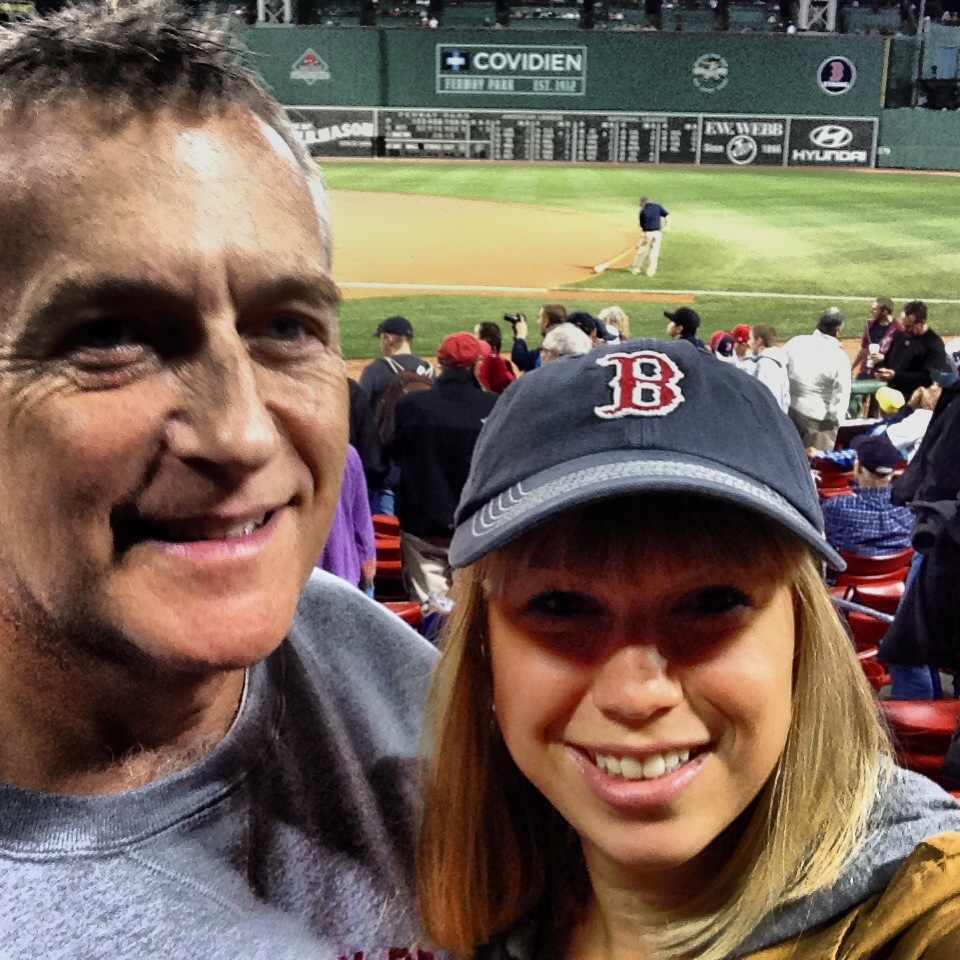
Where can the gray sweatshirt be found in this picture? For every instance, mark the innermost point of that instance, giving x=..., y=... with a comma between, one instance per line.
x=291, y=839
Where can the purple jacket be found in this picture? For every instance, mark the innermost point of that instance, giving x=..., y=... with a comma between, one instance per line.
x=351, y=539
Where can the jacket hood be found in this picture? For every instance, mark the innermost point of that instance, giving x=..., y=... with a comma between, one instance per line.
x=912, y=809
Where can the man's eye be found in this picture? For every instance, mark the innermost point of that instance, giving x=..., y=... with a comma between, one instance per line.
x=287, y=329
x=109, y=333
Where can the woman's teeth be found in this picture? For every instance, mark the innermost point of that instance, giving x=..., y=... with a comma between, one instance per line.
x=629, y=768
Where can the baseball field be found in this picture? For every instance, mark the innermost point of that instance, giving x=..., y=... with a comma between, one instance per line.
x=450, y=244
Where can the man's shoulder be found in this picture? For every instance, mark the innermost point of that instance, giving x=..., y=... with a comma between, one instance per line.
x=334, y=621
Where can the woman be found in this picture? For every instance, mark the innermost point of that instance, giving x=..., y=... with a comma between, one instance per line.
x=496, y=372
x=615, y=317
x=878, y=333
x=651, y=737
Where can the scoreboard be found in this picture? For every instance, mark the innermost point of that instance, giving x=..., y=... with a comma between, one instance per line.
x=588, y=136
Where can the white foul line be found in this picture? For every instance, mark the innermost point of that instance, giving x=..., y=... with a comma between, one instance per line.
x=530, y=291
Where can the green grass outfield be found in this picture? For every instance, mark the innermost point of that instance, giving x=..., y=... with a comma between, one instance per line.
x=752, y=245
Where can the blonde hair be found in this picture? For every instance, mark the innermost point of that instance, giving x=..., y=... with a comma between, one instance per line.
x=511, y=853
x=616, y=318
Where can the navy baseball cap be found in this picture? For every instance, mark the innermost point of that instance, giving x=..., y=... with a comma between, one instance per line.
x=643, y=416
x=398, y=325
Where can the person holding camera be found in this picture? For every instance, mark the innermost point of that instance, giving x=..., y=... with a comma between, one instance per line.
x=523, y=357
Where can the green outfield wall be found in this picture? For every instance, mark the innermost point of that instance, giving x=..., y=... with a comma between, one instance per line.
x=574, y=70
x=920, y=139
x=828, y=100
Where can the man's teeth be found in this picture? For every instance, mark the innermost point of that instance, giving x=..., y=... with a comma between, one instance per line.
x=198, y=530
x=656, y=765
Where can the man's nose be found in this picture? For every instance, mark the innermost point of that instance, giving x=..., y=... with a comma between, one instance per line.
x=635, y=683
x=224, y=418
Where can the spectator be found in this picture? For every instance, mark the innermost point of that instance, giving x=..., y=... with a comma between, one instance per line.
x=722, y=347
x=398, y=360
x=916, y=353
x=904, y=425
x=768, y=363
x=396, y=344
x=878, y=333
x=684, y=324
x=351, y=550
x=616, y=318
x=866, y=522
x=563, y=340
x=647, y=709
x=365, y=439
x=741, y=334
x=436, y=431
x=523, y=357
x=819, y=375
x=590, y=325
x=926, y=631
x=495, y=373
x=202, y=754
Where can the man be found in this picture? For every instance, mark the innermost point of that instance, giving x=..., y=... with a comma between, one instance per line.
x=866, y=522
x=653, y=221
x=683, y=324
x=524, y=358
x=916, y=353
x=563, y=340
x=819, y=375
x=436, y=431
x=195, y=760
x=768, y=363
x=396, y=345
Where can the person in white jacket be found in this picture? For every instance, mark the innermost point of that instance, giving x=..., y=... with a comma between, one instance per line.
x=819, y=374
x=768, y=363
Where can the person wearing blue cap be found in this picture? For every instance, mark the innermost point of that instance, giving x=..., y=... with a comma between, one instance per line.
x=865, y=522
x=650, y=734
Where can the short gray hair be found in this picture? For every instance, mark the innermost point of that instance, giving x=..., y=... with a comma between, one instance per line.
x=139, y=57
x=564, y=339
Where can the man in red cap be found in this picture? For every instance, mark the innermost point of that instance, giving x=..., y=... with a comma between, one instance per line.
x=436, y=431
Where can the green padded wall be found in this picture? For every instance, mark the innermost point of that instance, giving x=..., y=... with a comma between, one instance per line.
x=622, y=71
x=920, y=139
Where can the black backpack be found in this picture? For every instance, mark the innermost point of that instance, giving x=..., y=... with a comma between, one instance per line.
x=402, y=383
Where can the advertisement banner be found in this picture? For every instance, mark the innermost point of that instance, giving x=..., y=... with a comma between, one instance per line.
x=335, y=131
x=832, y=142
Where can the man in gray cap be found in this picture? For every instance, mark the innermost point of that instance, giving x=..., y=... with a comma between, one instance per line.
x=819, y=374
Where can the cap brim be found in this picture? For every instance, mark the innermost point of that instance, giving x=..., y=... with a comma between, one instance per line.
x=599, y=477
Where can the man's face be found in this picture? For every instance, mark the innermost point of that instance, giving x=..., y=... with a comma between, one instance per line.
x=172, y=399
x=911, y=325
x=543, y=322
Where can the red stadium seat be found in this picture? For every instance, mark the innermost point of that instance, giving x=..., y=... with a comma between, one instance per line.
x=922, y=730
x=407, y=610
x=884, y=597
x=886, y=568
x=867, y=631
x=384, y=524
x=922, y=726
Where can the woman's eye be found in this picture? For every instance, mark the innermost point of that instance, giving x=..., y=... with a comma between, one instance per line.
x=715, y=601
x=561, y=603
